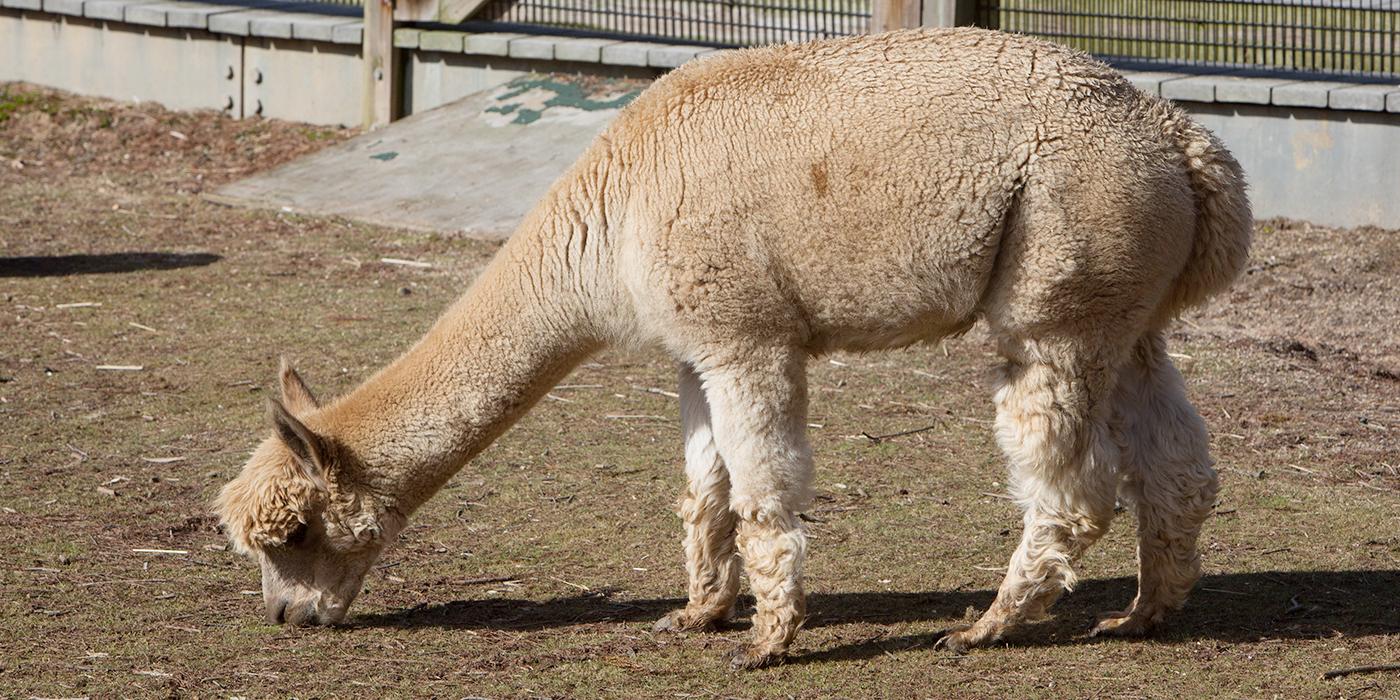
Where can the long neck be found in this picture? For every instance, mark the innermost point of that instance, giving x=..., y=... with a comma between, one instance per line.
x=515, y=333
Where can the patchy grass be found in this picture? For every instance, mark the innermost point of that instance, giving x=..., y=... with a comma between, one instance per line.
x=539, y=569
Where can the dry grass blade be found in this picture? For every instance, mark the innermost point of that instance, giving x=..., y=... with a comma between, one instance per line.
x=406, y=263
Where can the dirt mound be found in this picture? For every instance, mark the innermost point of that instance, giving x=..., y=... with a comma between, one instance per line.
x=48, y=133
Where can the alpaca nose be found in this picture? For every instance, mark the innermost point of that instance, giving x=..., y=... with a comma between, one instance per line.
x=302, y=615
x=276, y=612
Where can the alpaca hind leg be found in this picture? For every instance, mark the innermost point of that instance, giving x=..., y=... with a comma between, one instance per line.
x=711, y=562
x=759, y=405
x=1169, y=481
x=1052, y=426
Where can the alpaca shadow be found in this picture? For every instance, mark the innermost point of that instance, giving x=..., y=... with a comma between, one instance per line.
x=1225, y=607
x=1230, y=608
x=100, y=263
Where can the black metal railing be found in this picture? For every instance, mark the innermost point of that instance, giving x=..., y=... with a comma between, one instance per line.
x=1354, y=37
x=710, y=22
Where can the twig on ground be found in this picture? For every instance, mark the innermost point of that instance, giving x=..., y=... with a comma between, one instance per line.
x=877, y=439
x=142, y=550
x=1339, y=672
x=1222, y=590
x=121, y=368
x=406, y=263
x=134, y=324
x=79, y=305
x=485, y=580
x=90, y=584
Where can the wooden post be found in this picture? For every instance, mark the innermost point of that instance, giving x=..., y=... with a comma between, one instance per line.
x=949, y=13
x=381, y=82
x=888, y=15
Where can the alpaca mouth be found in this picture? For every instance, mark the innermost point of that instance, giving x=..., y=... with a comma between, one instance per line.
x=305, y=615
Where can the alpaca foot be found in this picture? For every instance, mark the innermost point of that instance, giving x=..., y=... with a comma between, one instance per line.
x=1128, y=623
x=753, y=657
x=965, y=637
x=686, y=620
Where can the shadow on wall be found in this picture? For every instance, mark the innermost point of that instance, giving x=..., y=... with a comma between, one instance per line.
x=64, y=265
x=1226, y=607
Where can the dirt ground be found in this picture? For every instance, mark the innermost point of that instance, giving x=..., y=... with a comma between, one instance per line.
x=540, y=568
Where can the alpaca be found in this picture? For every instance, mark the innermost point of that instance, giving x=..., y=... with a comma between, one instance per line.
x=755, y=209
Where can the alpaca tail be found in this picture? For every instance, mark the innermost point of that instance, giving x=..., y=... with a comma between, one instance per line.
x=1224, y=222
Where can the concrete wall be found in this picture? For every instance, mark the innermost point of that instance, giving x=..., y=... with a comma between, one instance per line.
x=434, y=78
x=280, y=64
x=179, y=68
x=303, y=81
x=1330, y=167
x=1326, y=152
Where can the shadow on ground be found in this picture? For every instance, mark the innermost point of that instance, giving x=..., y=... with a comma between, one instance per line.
x=64, y=265
x=1227, y=607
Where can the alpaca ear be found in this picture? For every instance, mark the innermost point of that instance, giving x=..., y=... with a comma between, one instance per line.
x=295, y=394
x=309, y=448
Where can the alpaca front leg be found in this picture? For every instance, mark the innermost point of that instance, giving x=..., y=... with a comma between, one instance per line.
x=759, y=412
x=711, y=564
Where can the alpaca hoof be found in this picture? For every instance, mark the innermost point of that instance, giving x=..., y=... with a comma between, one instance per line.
x=957, y=640
x=1122, y=624
x=681, y=621
x=963, y=638
x=750, y=658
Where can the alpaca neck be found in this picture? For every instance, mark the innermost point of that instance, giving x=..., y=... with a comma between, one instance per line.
x=517, y=331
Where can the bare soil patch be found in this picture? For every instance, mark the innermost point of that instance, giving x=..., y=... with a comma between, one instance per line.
x=539, y=569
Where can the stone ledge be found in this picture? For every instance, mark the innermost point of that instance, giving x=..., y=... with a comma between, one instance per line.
x=1262, y=88
x=268, y=18
x=541, y=47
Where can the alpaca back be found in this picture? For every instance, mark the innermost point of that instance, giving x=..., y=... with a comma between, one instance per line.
x=854, y=193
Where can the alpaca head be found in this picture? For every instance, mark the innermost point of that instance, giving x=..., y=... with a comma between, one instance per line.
x=297, y=509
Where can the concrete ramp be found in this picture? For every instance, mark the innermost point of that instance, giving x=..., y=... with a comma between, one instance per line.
x=474, y=166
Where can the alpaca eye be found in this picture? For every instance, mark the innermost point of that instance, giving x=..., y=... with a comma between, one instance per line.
x=297, y=536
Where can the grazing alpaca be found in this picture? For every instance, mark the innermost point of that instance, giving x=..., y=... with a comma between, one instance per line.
x=753, y=210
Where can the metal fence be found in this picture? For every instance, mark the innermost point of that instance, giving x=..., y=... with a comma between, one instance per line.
x=712, y=22
x=1329, y=36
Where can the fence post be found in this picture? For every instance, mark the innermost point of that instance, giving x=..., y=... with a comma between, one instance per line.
x=887, y=15
x=381, y=69
x=949, y=13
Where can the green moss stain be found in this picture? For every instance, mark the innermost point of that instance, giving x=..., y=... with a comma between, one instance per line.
x=526, y=116
x=565, y=95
